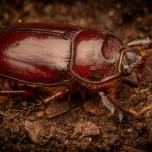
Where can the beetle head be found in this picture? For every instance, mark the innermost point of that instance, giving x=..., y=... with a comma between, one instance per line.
x=131, y=60
x=135, y=53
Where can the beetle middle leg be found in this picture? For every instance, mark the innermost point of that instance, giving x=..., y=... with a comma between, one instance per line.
x=56, y=95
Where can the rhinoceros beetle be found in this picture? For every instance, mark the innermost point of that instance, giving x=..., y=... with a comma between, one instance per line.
x=48, y=55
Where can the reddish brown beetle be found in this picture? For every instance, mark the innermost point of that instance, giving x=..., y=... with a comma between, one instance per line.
x=48, y=55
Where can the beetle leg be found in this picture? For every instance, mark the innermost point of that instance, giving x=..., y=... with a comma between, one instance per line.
x=55, y=96
x=106, y=102
x=13, y=92
x=113, y=106
x=110, y=105
x=141, y=111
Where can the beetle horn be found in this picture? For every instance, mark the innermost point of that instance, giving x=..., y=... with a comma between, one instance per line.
x=144, y=44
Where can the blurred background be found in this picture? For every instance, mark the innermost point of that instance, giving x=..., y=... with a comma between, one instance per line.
x=127, y=19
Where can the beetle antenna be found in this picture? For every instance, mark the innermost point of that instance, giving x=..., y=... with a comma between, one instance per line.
x=147, y=40
x=143, y=44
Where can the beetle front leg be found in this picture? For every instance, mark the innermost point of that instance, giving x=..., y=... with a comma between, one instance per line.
x=112, y=105
x=126, y=109
x=141, y=111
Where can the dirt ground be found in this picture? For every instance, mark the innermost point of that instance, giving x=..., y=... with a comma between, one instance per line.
x=26, y=125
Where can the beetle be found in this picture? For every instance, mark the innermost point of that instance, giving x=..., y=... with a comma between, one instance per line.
x=48, y=55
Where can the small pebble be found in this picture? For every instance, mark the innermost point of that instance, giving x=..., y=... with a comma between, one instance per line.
x=24, y=103
x=55, y=131
x=3, y=99
x=94, y=107
x=55, y=109
x=149, y=98
x=37, y=131
x=40, y=114
x=86, y=128
x=111, y=13
x=111, y=139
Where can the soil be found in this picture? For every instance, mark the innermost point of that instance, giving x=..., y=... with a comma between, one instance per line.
x=27, y=125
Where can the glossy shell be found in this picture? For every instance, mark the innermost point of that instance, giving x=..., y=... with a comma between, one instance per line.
x=38, y=54
x=96, y=56
x=51, y=54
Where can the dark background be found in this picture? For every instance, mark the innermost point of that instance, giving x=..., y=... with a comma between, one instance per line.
x=127, y=19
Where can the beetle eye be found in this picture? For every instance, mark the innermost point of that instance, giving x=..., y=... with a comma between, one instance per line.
x=111, y=47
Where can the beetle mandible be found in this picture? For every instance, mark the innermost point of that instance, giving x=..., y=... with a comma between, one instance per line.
x=47, y=55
